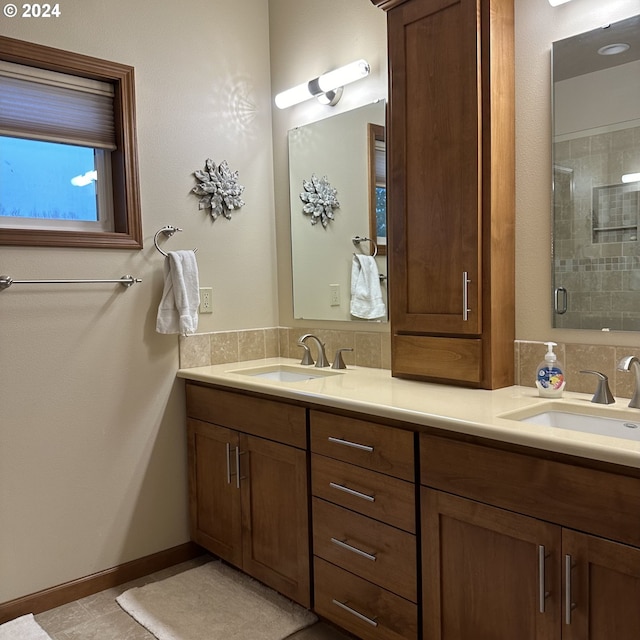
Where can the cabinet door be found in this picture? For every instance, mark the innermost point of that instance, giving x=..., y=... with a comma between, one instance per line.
x=602, y=587
x=214, y=498
x=434, y=167
x=275, y=516
x=488, y=574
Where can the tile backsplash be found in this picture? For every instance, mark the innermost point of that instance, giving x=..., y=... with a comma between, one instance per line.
x=575, y=358
x=373, y=349
x=370, y=349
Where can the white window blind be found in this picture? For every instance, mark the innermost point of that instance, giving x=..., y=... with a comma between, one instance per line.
x=56, y=107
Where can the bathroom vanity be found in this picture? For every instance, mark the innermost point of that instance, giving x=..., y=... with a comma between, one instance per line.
x=406, y=510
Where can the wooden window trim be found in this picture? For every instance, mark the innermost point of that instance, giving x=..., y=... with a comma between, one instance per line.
x=124, y=160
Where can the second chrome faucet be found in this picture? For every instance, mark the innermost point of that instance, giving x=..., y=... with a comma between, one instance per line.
x=321, y=360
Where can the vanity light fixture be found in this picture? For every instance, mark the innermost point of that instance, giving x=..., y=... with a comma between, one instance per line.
x=555, y=3
x=327, y=88
x=631, y=177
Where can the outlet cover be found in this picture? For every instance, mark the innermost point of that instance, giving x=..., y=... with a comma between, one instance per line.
x=206, y=305
x=334, y=295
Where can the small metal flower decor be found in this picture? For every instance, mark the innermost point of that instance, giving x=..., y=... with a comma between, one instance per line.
x=218, y=189
x=320, y=199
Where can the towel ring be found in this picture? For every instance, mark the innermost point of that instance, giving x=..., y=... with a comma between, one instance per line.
x=168, y=231
x=357, y=240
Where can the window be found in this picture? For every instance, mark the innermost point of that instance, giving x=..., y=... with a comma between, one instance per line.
x=68, y=162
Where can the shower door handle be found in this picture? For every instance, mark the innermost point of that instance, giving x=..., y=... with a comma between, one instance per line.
x=558, y=292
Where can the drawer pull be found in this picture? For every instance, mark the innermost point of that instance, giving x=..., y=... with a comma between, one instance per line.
x=228, y=463
x=352, y=492
x=355, y=445
x=353, y=549
x=357, y=614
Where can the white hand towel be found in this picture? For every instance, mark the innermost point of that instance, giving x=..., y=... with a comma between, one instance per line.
x=366, y=294
x=178, y=310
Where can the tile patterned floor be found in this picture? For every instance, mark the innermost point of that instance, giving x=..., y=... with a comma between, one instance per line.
x=99, y=617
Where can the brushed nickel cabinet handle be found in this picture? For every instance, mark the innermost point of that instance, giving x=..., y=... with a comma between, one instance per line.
x=228, y=463
x=347, y=443
x=353, y=549
x=465, y=295
x=352, y=492
x=543, y=594
x=357, y=614
x=568, y=605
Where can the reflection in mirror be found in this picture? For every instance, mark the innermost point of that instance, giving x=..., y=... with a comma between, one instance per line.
x=378, y=187
x=596, y=196
x=338, y=149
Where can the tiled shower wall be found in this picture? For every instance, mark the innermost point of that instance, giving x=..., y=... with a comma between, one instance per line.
x=374, y=350
x=596, y=243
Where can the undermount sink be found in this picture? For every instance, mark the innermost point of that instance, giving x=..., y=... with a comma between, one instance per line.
x=285, y=373
x=589, y=419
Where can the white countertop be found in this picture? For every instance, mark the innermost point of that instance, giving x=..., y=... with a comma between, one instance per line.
x=472, y=411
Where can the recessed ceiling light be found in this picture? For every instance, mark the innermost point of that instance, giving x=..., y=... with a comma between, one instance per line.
x=613, y=49
x=555, y=3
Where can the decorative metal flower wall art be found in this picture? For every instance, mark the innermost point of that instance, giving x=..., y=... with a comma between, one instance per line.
x=218, y=189
x=320, y=199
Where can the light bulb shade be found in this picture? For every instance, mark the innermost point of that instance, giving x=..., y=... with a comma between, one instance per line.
x=343, y=75
x=293, y=96
x=555, y=3
x=328, y=83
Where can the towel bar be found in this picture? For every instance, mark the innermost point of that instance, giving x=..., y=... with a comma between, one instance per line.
x=125, y=281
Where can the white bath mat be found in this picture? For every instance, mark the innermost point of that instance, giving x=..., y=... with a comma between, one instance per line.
x=216, y=602
x=23, y=628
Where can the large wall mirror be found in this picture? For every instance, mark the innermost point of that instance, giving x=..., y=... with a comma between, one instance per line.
x=596, y=178
x=346, y=153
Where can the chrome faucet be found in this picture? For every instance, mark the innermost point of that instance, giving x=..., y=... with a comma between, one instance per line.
x=322, y=356
x=625, y=365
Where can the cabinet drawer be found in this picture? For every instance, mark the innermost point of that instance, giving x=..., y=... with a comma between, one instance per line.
x=600, y=502
x=373, y=494
x=277, y=421
x=457, y=359
x=372, y=614
x=366, y=444
x=375, y=551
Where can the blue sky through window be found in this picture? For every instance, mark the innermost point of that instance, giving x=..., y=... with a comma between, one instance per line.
x=36, y=180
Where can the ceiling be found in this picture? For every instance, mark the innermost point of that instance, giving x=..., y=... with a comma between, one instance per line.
x=578, y=55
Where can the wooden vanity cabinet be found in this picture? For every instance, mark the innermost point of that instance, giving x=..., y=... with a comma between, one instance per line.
x=527, y=565
x=364, y=526
x=451, y=193
x=248, y=493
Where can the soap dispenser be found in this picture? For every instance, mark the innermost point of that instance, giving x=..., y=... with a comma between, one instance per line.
x=550, y=377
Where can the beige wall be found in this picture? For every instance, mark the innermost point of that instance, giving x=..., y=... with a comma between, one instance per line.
x=92, y=440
